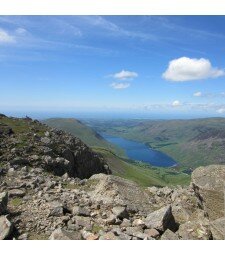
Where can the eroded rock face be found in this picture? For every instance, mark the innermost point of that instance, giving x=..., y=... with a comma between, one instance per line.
x=217, y=228
x=208, y=184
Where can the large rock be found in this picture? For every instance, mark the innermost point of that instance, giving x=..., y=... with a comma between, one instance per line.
x=195, y=230
x=161, y=219
x=109, y=236
x=16, y=193
x=6, y=227
x=84, y=222
x=60, y=234
x=3, y=202
x=114, y=191
x=81, y=211
x=208, y=184
x=56, y=209
x=218, y=229
x=120, y=212
x=169, y=235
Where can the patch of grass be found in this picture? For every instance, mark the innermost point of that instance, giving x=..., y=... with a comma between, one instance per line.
x=70, y=186
x=20, y=125
x=16, y=201
x=96, y=228
x=89, y=185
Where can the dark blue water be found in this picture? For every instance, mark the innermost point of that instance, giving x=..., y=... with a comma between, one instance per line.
x=141, y=152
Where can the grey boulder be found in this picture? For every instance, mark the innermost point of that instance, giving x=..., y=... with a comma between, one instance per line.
x=3, y=202
x=6, y=227
x=60, y=234
x=160, y=219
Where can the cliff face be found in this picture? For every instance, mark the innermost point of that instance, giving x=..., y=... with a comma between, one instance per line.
x=45, y=193
x=30, y=143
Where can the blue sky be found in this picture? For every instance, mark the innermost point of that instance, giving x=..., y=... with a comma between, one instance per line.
x=147, y=65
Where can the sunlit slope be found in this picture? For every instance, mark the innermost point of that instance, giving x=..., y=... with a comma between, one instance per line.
x=80, y=130
x=143, y=174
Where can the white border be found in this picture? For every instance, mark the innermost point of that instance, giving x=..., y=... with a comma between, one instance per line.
x=112, y=7
x=112, y=247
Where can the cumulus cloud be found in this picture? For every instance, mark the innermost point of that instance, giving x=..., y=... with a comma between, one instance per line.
x=187, y=69
x=120, y=85
x=221, y=110
x=5, y=37
x=124, y=75
x=176, y=103
x=197, y=94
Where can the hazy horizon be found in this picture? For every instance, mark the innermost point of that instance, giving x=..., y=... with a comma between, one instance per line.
x=106, y=115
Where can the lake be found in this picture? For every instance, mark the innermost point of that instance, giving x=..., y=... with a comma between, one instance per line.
x=141, y=152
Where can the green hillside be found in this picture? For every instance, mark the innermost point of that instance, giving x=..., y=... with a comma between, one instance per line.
x=85, y=133
x=190, y=142
x=144, y=174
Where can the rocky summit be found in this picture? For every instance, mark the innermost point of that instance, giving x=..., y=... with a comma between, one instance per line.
x=52, y=186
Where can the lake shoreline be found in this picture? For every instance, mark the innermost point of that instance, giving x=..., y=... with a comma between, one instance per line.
x=142, y=152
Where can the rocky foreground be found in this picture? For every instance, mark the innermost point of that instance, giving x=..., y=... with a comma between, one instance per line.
x=52, y=186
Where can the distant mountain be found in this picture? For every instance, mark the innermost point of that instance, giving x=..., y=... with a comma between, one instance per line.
x=192, y=143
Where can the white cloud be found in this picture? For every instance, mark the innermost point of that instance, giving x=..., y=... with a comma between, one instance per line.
x=124, y=75
x=176, y=103
x=221, y=110
x=5, y=37
x=120, y=85
x=197, y=94
x=115, y=30
x=21, y=31
x=187, y=69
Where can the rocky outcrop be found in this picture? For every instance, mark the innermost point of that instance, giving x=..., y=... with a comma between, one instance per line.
x=25, y=142
x=113, y=190
x=208, y=184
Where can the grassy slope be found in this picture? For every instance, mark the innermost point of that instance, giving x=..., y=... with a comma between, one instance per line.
x=191, y=142
x=85, y=133
x=144, y=175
